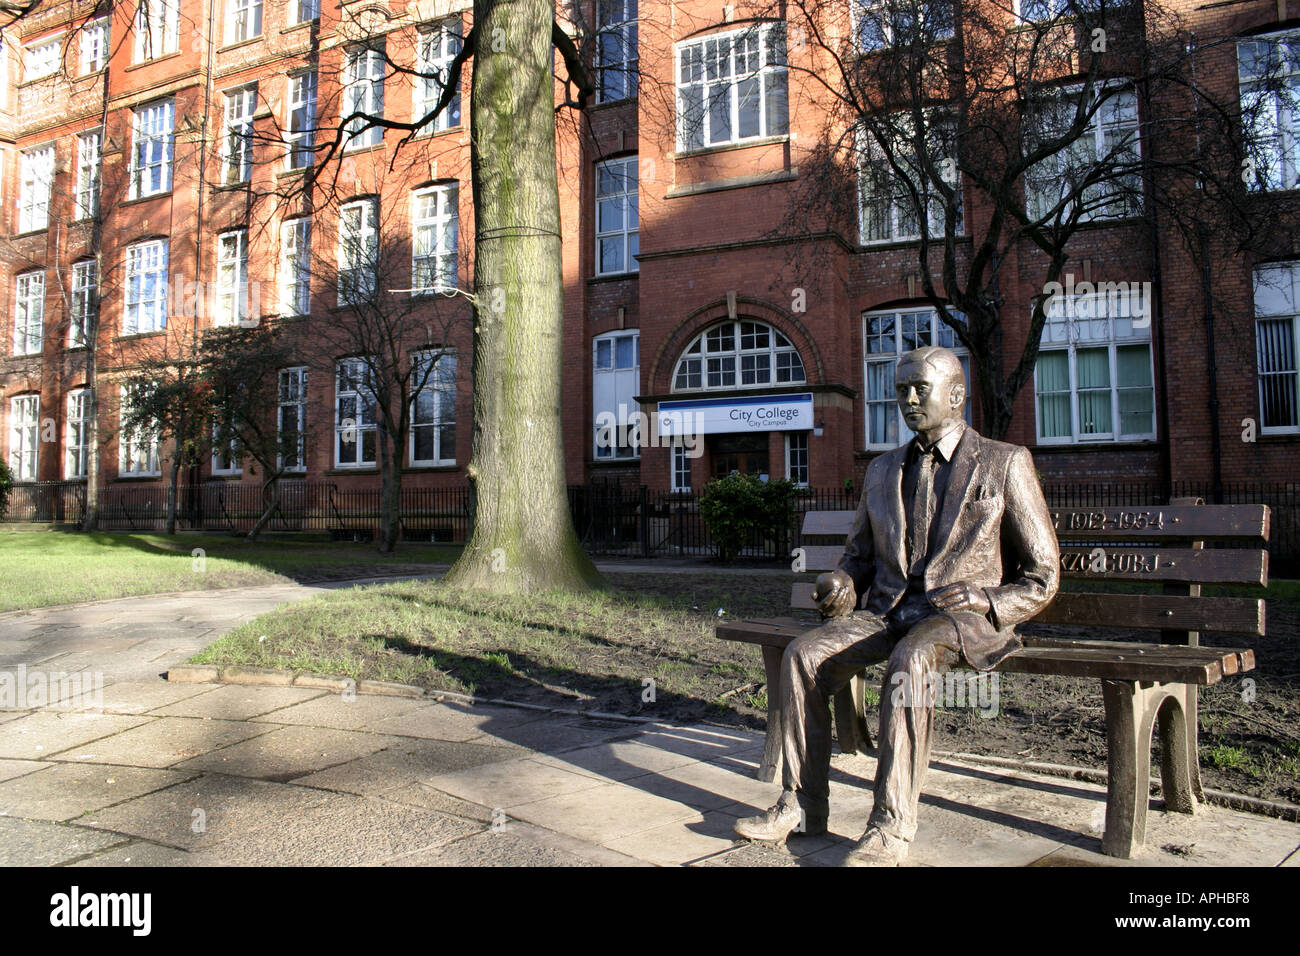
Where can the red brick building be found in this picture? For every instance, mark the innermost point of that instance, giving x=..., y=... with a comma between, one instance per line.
x=141, y=165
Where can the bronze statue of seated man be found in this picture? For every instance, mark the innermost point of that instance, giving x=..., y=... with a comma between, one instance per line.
x=952, y=546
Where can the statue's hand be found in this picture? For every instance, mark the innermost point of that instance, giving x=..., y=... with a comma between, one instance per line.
x=835, y=594
x=959, y=597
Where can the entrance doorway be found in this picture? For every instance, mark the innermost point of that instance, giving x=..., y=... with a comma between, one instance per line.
x=747, y=454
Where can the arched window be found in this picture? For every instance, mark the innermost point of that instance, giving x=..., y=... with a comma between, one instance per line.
x=738, y=355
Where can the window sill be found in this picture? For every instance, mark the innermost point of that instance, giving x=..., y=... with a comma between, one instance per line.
x=152, y=61
x=736, y=182
x=165, y=194
x=423, y=469
x=611, y=104
x=132, y=336
x=243, y=184
x=240, y=44
x=300, y=25
x=365, y=470
x=140, y=476
x=1130, y=445
x=724, y=147
x=226, y=476
x=291, y=172
x=25, y=355
x=30, y=232
x=614, y=277
x=435, y=133
x=357, y=150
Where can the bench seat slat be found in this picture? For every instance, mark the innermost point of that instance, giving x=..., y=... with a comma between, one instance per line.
x=1194, y=566
x=1116, y=660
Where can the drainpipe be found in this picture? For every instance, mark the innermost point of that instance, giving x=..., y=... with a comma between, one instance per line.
x=1216, y=447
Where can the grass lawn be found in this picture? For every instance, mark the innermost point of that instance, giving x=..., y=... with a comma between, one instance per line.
x=41, y=568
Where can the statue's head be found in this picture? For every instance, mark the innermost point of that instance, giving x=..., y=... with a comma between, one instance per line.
x=931, y=388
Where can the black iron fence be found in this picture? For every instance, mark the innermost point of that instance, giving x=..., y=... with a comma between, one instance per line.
x=610, y=518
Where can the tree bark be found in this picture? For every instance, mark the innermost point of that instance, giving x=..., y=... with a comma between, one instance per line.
x=171, y=494
x=523, y=536
x=273, y=485
x=390, y=493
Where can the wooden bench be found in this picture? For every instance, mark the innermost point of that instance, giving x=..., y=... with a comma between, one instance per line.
x=1144, y=685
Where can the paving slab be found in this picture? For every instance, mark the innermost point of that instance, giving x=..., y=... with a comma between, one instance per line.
x=31, y=843
x=418, y=795
x=164, y=741
x=142, y=696
x=16, y=768
x=289, y=752
x=341, y=830
x=138, y=853
x=515, y=844
x=456, y=721
x=701, y=742
x=235, y=701
x=45, y=733
x=228, y=808
x=551, y=735
x=616, y=760
x=358, y=712
x=404, y=762
x=752, y=854
x=605, y=813
x=66, y=791
x=511, y=783
x=679, y=843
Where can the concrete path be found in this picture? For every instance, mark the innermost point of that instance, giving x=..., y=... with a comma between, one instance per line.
x=195, y=774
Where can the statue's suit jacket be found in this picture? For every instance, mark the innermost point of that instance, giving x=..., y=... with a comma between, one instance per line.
x=994, y=532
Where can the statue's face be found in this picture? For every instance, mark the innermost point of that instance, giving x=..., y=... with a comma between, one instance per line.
x=926, y=397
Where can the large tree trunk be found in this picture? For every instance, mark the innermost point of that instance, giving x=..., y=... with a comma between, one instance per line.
x=273, y=486
x=90, y=520
x=171, y=494
x=390, y=494
x=523, y=535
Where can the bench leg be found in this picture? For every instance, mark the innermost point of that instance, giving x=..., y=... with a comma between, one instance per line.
x=851, y=718
x=770, y=767
x=1128, y=767
x=1179, y=773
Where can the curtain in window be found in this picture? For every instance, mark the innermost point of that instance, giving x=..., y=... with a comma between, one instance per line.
x=1093, y=370
x=1275, y=343
x=1054, y=394
x=1136, y=395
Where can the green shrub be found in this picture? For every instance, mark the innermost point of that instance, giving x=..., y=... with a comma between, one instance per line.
x=737, y=506
x=6, y=483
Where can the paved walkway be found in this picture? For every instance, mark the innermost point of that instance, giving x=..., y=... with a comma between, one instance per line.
x=197, y=774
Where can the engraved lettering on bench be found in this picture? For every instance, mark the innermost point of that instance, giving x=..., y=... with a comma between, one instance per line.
x=1085, y=561
x=1117, y=520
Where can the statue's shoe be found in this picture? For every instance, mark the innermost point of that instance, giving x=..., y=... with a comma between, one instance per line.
x=778, y=822
x=877, y=848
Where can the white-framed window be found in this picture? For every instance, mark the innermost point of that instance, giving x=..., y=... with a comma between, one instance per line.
x=1093, y=379
x=137, y=448
x=85, y=301
x=732, y=87
x=76, y=440
x=232, y=278
x=89, y=145
x=225, y=454
x=436, y=49
x=237, y=135
x=618, y=237
x=435, y=225
x=151, y=154
x=355, y=430
x=291, y=418
x=887, y=210
x=363, y=92
x=616, y=50
x=304, y=11
x=301, y=127
x=295, y=266
x=94, y=45
x=43, y=58
x=37, y=172
x=24, y=436
x=1110, y=146
x=1268, y=75
x=742, y=354
x=615, y=382
x=146, y=287
x=1277, y=343
x=887, y=334
x=433, y=410
x=157, y=29
x=796, y=458
x=884, y=23
x=29, y=313
x=358, y=251
x=244, y=20
x=681, y=476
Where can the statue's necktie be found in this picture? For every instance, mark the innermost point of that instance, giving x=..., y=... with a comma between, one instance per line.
x=922, y=510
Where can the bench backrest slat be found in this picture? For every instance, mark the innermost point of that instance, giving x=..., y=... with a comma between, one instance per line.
x=1159, y=522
